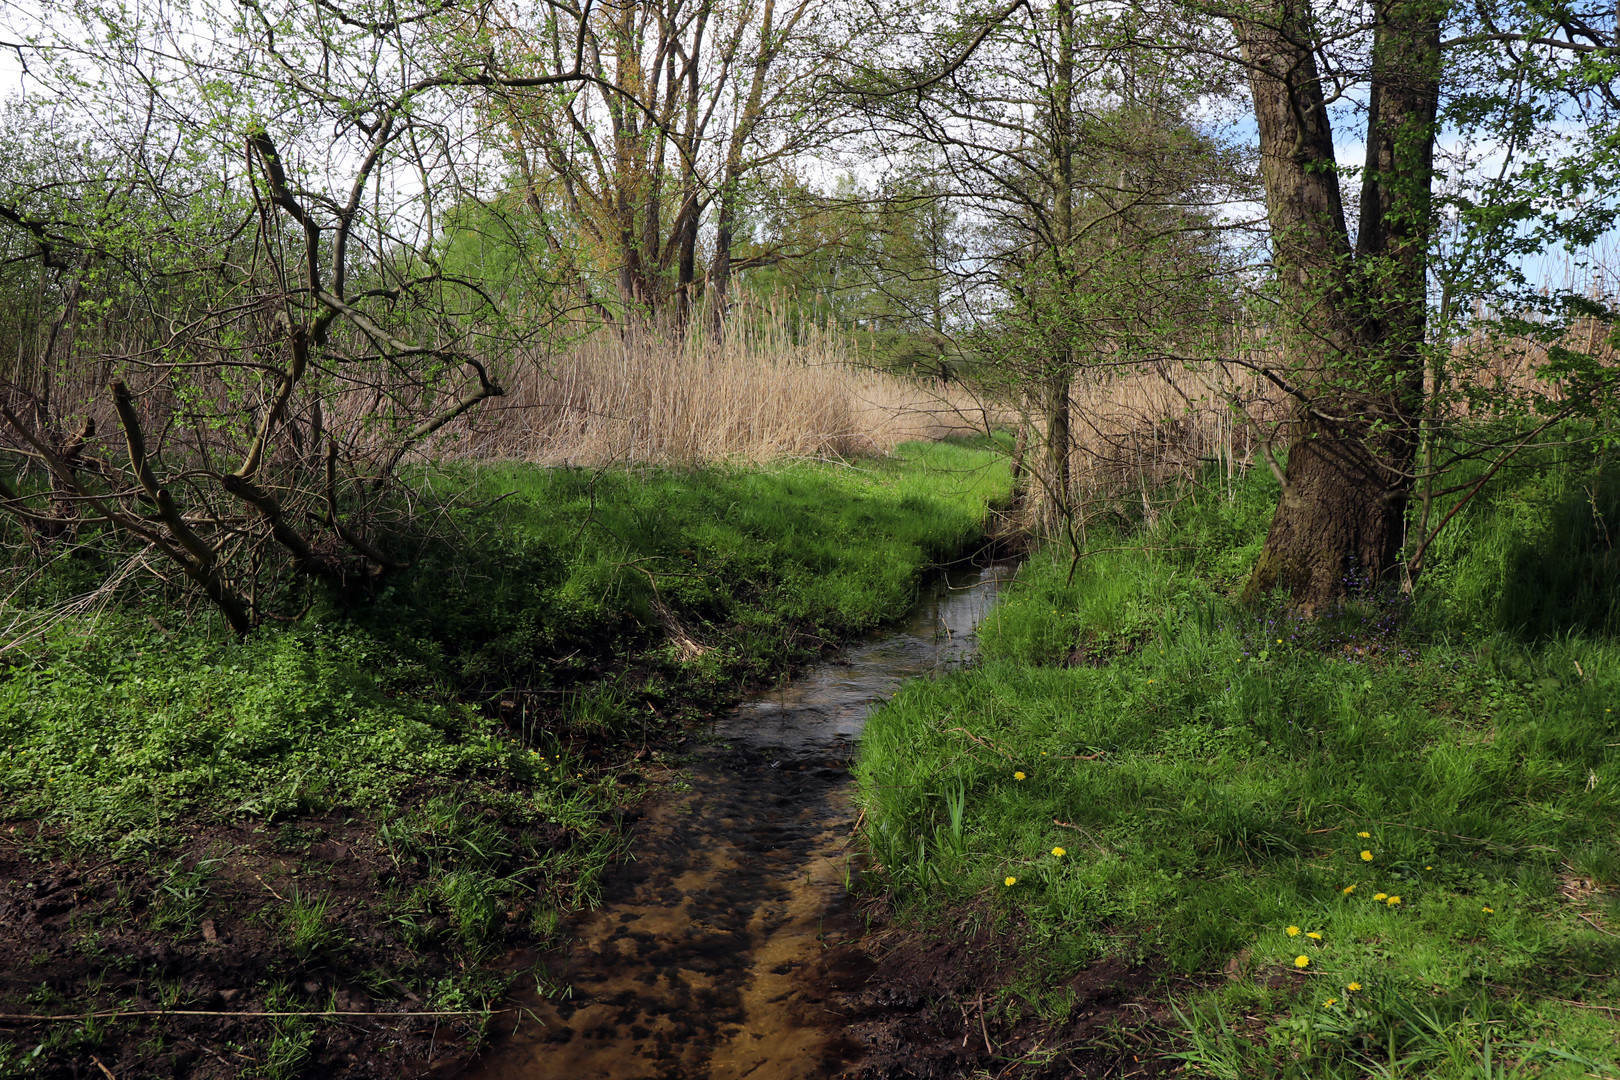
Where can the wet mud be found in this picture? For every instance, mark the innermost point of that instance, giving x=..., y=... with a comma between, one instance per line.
x=727, y=948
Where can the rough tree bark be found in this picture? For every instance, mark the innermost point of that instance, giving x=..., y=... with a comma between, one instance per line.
x=1352, y=318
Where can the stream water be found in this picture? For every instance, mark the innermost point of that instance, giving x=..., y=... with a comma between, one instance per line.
x=719, y=950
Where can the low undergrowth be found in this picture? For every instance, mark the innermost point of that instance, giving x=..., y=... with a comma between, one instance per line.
x=1381, y=843
x=370, y=805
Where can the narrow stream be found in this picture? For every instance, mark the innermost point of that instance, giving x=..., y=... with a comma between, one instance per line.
x=717, y=952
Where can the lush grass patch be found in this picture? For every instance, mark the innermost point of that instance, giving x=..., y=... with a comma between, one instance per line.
x=703, y=576
x=554, y=579
x=1208, y=788
x=433, y=771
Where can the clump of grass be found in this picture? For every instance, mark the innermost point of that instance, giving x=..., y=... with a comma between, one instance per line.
x=307, y=921
x=473, y=901
x=292, y=1038
x=182, y=893
x=1387, y=798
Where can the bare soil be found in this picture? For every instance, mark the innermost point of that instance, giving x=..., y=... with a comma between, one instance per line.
x=930, y=1005
x=206, y=945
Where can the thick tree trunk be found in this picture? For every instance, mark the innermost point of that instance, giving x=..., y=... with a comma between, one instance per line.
x=1340, y=524
x=1351, y=322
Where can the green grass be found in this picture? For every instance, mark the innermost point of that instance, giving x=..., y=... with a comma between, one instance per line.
x=757, y=566
x=1215, y=771
x=567, y=586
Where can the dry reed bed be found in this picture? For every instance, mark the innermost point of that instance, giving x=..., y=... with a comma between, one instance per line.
x=751, y=396
x=1137, y=427
x=1141, y=426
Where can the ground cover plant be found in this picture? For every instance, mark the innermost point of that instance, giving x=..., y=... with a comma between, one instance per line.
x=1378, y=843
x=331, y=830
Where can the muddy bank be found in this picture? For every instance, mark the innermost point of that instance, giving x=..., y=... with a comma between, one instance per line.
x=930, y=1005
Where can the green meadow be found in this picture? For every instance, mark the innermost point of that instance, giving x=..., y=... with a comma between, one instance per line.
x=1381, y=843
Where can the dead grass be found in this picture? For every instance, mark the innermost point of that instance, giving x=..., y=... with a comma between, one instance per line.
x=1138, y=427
x=754, y=395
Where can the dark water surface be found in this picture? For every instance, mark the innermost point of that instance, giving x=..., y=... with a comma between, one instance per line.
x=717, y=951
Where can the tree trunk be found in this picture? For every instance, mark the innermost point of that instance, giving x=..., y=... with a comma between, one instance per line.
x=1056, y=484
x=731, y=185
x=1339, y=526
x=1059, y=438
x=1351, y=322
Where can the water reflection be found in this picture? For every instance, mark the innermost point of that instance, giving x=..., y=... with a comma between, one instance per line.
x=828, y=705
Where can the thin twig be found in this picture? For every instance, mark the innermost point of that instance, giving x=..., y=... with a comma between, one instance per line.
x=1089, y=838
x=108, y=1073
x=118, y=1014
x=1595, y=926
x=273, y=892
x=1563, y=1001
x=986, y=743
x=1470, y=839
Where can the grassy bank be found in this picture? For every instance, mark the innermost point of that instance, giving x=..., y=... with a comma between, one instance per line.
x=1380, y=844
x=358, y=811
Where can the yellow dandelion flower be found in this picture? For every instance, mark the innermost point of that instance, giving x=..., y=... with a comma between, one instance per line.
x=1428, y=868
x=1010, y=882
x=1292, y=931
x=1366, y=856
x=1058, y=852
x=1302, y=962
x=1018, y=776
x=1392, y=901
x=1380, y=895
x=1329, y=1003
x=1488, y=910
x=1364, y=835
x=1353, y=987
x=1348, y=889
x=1313, y=935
